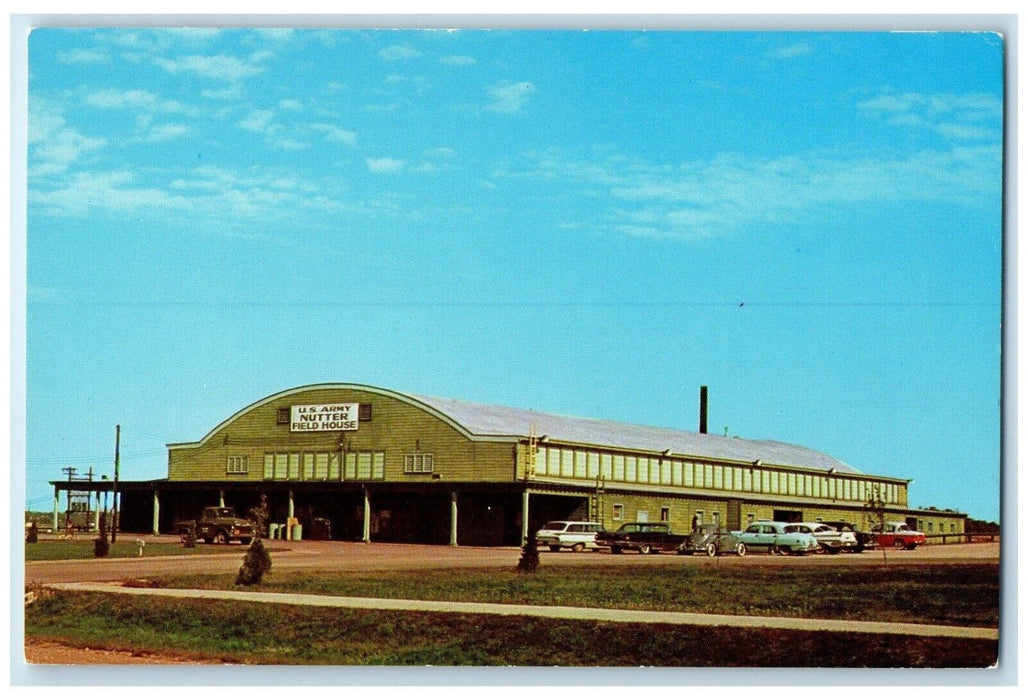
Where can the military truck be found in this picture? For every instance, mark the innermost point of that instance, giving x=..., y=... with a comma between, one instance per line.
x=217, y=524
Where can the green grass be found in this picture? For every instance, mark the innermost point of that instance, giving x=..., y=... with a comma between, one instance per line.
x=235, y=632
x=953, y=594
x=53, y=550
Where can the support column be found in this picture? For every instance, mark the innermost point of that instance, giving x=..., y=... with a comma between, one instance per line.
x=289, y=516
x=221, y=498
x=366, y=535
x=156, y=512
x=96, y=514
x=524, y=516
x=453, y=518
x=57, y=506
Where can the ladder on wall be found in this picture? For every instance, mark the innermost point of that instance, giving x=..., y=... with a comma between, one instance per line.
x=533, y=452
x=596, y=501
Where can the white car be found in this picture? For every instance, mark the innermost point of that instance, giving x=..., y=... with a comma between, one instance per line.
x=772, y=536
x=574, y=534
x=830, y=539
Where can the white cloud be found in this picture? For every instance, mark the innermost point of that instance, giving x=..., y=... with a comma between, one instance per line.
x=457, y=61
x=792, y=51
x=730, y=193
x=53, y=146
x=83, y=56
x=509, y=98
x=134, y=99
x=335, y=134
x=385, y=165
x=290, y=105
x=227, y=68
x=257, y=120
x=399, y=53
x=959, y=117
x=163, y=132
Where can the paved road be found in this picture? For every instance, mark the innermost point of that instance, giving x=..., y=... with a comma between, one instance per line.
x=551, y=611
x=355, y=556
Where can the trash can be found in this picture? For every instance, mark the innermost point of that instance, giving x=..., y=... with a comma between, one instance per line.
x=296, y=531
x=272, y=531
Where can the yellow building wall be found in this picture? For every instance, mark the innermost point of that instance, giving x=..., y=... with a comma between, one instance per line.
x=396, y=429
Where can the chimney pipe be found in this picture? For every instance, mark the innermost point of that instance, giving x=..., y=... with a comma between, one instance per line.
x=703, y=410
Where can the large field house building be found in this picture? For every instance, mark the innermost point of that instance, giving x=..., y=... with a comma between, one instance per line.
x=355, y=462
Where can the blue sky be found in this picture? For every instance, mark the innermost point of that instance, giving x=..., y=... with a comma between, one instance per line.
x=587, y=223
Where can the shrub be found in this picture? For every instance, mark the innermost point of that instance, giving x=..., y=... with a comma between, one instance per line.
x=256, y=563
x=189, y=538
x=101, y=547
x=529, y=560
x=32, y=536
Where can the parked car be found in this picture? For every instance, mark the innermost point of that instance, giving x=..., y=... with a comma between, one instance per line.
x=771, y=535
x=830, y=539
x=712, y=539
x=641, y=537
x=865, y=540
x=898, y=535
x=576, y=535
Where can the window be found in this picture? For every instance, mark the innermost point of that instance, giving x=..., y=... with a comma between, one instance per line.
x=364, y=412
x=618, y=512
x=237, y=465
x=282, y=416
x=750, y=517
x=580, y=466
x=418, y=464
x=699, y=517
x=644, y=470
x=716, y=517
x=630, y=469
x=619, y=468
x=665, y=514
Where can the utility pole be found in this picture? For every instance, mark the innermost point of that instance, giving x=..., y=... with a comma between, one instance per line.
x=114, y=520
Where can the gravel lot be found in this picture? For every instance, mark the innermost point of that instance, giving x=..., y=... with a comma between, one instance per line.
x=355, y=556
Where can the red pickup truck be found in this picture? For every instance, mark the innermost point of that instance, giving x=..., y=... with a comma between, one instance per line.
x=898, y=535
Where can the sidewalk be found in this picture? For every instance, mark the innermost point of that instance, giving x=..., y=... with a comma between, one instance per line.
x=563, y=612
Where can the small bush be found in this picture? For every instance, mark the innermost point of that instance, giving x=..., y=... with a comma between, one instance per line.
x=32, y=536
x=256, y=563
x=529, y=560
x=189, y=538
x=101, y=547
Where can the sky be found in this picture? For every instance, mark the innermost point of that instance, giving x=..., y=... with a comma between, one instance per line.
x=589, y=223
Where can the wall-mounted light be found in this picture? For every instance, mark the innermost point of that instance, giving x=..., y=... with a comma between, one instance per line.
x=757, y=462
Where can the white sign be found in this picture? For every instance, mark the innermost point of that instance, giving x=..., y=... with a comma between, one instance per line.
x=323, y=417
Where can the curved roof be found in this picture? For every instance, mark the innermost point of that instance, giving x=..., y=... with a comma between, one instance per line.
x=497, y=421
x=502, y=422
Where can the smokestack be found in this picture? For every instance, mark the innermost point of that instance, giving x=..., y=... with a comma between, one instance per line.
x=703, y=410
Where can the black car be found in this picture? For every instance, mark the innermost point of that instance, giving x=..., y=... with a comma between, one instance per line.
x=642, y=537
x=865, y=540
